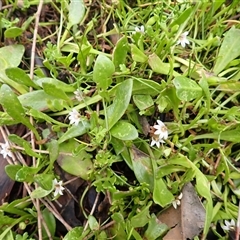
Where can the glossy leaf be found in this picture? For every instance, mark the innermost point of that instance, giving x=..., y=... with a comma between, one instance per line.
x=187, y=89
x=229, y=50
x=102, y=71
x=124, y=131
x=120, y=103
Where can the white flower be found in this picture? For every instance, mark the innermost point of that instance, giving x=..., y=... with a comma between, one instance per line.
x=58, y=187
x=161, y=130
x=229, y=225
x=74, y=117
x=177, y=201
x=140, y=30
x=156, y=140
x=5, y=151
x=183, y=39
x=78, y=95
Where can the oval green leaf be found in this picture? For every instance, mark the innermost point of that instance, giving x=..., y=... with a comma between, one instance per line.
x=187, y=89
x=124, y=131
x=102, y=71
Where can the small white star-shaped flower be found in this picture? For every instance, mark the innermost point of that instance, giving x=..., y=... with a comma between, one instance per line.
x=78, y=95
x=229, y=225
x=156, y=141
x=183, y=39
x=58, y=187
x=140, y=30
x=161, y=130
x=177, y=201
x=74, y=117
x=5, y=151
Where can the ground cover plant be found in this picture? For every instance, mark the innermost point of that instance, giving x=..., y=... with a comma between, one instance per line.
x=119, y=119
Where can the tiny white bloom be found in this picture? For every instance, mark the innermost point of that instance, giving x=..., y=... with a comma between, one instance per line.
x=58, y=187
x=156, y=141
x=229, y=225
x=140, y=30
x=74, y=117
x=5, y=151
x=78, y=95
x=183, y=39
x=161, y=130
x=177, y=201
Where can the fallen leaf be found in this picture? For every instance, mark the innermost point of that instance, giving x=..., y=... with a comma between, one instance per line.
x=187, y=221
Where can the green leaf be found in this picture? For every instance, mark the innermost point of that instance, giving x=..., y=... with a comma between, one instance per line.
x=142, y=217
x=78, y=165
x=229, y=50
x=19, y=76
x=75, y=131
x=39, y=115
x=5, y=119
x=183, y=17
x=37, y=100
x=50, y=221
x=76, y=11
x=155, y=228
x=44, y=180
x=158, y=66
x=13, y=107
x=40, y=193
x=161, y=194
x=143, y=101
x=102, y=71
x=124, y=131
x=53, y=90
x=12, y=170
x=137, y=54
x=26, y=174
x=120, y=103
x=142, y=167
x=74, y=234
x=13, y=32
x=187, y=89
x=11, y=56
x=120, y=52
x=60, y=84
x=148, y=87
x=25, y=144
